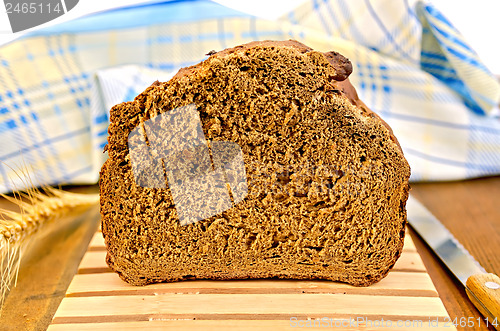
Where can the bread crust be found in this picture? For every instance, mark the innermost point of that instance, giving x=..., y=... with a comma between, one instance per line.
x=354, y=237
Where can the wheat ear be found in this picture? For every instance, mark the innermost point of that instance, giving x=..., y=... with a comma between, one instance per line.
x=17, y=229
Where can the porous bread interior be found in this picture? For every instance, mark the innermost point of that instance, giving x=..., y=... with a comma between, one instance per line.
x=327, y=185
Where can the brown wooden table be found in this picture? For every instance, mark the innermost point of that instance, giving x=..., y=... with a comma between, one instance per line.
x=470, y=209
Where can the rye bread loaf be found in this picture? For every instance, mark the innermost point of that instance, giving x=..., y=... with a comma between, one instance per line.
x=326, y=180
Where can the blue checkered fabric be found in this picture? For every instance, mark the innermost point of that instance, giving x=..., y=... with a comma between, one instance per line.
x=410, y=65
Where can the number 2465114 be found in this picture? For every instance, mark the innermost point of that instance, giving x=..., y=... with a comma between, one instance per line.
x=32, y=8
x=471, y=322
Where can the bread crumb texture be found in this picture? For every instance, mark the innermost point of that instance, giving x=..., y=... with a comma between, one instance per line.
x=327, y=180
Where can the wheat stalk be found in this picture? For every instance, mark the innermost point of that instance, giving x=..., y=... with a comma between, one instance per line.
x=17, y=229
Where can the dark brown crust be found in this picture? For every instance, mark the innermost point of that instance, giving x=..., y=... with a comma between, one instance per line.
x=342, y=65
x=117, y=187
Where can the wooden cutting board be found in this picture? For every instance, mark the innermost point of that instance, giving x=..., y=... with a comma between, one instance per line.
x=98, y=299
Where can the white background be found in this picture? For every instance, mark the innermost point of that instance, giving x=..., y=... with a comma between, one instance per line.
x=477, y=20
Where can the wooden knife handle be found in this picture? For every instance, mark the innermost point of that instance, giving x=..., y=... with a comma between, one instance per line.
x=484, y=292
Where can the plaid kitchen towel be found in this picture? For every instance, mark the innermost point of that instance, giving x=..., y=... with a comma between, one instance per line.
x=410, y=66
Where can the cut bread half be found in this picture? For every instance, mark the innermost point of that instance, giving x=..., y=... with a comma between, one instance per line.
x=258, y=162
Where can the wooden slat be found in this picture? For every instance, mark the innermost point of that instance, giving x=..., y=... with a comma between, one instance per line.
x=95, y=262
x=408, y=244
x=245, y=325
x=409, y=261
x=252, y=304
x=97, y=243
x=396, y=283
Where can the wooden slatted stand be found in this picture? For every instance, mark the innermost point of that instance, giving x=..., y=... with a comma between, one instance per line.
x=98, y=299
